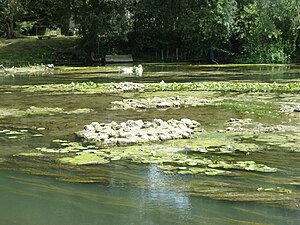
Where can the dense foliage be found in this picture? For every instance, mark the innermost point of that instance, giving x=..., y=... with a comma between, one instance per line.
x=263, y=31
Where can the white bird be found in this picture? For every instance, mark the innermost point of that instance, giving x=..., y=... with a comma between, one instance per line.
x=127, y=70
x=139, y=70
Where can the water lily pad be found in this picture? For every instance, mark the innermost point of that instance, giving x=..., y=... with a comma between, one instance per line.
x=91, y=151
x=85, y=159
x=13, y=137
x=59, y=141
x=116, y=158
x=49, y=150
x=214, y=172
x=252, y=166
x=31, y=154
x=277, y=190
x=185, y=172
x=24, y=131
x=4, y=131
x=14, y=133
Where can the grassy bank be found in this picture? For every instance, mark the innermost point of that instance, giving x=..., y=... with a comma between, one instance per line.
x=31, y=50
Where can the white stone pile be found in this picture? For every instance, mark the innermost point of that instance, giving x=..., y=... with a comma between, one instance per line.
x=136, y=131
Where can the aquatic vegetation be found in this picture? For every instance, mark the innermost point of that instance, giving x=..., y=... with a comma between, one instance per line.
x=85, y=158
x=288, y=141
x=226, y=87
x=33, y=110
x=92, y=87
x=214, y=142
x=225, y=189
x=252, y=166
x=31, y=154
x=250, y=106
x=183, y=156
x=40, y=111
x=14, y=133
x=275, y=190
x=76, y=86
x=64, y=146
x=171, y=160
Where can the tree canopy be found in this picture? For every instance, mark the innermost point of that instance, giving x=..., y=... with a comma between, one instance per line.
x=264, y=31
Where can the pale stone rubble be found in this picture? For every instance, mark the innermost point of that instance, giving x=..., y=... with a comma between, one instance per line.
x=128, y=87
x=136, y=131
x=248, y=125
x=13, y=70
x=158, y=102
x=290, y=108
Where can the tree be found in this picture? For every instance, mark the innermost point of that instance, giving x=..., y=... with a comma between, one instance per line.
x=267, y=31
x=52, y=13
x=155, y=26
x=10, y=10
x=208, y=24
x=103, y=24
x=191, y=27
x=254, y=30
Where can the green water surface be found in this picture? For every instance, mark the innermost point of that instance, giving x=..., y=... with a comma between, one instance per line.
x=41, y=190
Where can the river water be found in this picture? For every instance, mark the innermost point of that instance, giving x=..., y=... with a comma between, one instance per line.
x=35, y=192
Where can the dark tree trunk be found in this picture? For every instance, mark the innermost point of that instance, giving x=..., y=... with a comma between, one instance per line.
x=10, y=29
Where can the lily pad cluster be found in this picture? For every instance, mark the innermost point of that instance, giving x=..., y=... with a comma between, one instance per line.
x=13, y=134
x=136, y=131
x=157, y=102
x=169, y=160
x=194, y=165
x=64, y=146
x=21, y=133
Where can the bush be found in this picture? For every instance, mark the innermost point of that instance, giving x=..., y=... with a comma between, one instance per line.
x=265, y=53
x=24, y=27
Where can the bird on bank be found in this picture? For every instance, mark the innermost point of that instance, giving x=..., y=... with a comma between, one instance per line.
x=139, y=70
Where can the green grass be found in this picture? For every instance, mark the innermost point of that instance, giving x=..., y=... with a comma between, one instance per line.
x=30, y=50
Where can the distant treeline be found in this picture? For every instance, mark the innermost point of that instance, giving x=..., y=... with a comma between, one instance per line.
x=248, y=31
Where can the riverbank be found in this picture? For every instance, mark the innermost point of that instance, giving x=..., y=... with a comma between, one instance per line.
x=60, y=50
x=32, y=50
